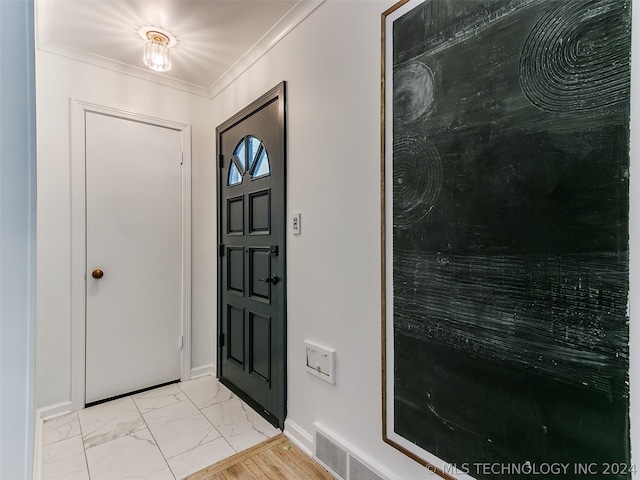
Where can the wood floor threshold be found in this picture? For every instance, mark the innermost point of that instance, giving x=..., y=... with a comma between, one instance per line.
x=274, y=459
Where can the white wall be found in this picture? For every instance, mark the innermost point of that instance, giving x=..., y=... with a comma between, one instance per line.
x=17, y=238
x=332, y=65
x=58, y=80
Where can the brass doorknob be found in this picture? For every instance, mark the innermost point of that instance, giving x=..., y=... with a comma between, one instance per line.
x=97, y=273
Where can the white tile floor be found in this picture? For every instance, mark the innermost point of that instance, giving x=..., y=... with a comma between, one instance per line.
x=166, y=433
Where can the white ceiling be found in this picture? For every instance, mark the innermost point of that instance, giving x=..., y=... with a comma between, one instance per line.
x=216, y=39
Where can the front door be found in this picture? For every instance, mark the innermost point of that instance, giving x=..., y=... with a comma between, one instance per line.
x=134, y=255
x=251, y=267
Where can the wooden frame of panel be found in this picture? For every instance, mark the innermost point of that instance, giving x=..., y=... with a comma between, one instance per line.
x=507, y=272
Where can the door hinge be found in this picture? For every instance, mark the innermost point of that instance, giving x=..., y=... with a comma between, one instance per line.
x=181, y=343
x=221, y=250
x=181, y=158
x=221, y=340
x=221, y=161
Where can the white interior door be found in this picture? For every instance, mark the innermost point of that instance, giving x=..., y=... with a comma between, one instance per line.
x=134, y=236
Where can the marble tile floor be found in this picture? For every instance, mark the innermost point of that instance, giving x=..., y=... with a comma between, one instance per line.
x=166, y=433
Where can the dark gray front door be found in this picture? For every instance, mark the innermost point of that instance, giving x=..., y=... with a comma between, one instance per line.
x=251, y=264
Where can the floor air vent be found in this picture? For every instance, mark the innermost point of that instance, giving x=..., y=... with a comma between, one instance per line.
x=331, y=455
x=358, y=471
x=342, y=463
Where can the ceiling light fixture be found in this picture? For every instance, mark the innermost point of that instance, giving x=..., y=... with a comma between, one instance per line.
x=157, y=51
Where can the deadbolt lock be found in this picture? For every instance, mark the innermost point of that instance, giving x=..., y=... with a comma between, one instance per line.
x=273, y=279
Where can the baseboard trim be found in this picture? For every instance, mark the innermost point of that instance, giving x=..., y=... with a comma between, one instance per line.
x=203, y=370
x=42, y=414
x=38, y=440
x=53, y=411
x=302, y=439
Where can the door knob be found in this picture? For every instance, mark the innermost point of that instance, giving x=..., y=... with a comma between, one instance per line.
x=272, y=279
x=97, y=273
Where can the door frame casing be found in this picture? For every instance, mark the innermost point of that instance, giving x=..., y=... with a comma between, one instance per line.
x=79, y=109
x=278, y=92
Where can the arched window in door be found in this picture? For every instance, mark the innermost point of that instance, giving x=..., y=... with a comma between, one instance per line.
x=250, y=156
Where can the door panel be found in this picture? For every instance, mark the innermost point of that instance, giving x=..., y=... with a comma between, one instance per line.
x=260, y=345
x=235, y=212
x=259, y=269
x=235, y=269
x=235, y=329
x=252, y=280
x=260, y=212
x=134, y=235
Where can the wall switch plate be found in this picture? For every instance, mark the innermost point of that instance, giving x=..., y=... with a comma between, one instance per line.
x=321, y=362
x=295, y=224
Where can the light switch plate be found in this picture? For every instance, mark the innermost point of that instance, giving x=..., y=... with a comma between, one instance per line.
x=295, y=224
x=321, y=362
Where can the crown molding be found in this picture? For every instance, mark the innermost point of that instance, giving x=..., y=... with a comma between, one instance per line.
x=287, y=23
x=46, y=43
